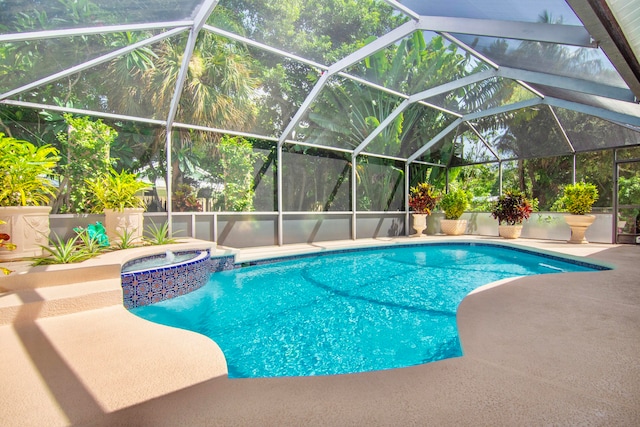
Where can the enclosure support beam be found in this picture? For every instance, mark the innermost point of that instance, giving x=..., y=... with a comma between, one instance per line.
x=453, y=85
x=81, y=111
x=567, y=83
x=406, y=198
x=564, y=133
x=305, y=105
x=616, y=177
x=373, y=47
x=390, y=118
x=533, y=31
x=503, y=109
x=199, y=21
x=435, y=139
x=484, y=141
x=369, y=49
x=168, y=179
x=403, y=9
x=354, y=197
x=92, y=63
x=87, y=31
x=618, y=112
x=279, y=193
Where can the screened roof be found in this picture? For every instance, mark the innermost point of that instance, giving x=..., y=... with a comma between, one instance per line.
x=501, y=79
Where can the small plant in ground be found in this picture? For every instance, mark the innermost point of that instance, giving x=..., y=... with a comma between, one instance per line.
x=91, y=243
x=127, y=239
x=159, y=235
x=63, y=252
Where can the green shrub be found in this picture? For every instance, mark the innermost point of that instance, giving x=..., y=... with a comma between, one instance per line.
x=454, y=203
x=115, y=191
x=23, y=172
x=578, y=198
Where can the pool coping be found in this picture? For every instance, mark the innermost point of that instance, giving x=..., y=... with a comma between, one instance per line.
x=513, y=246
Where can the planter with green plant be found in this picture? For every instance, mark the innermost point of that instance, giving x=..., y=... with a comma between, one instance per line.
x=116, y=194
x=454, y=203
x=511, y=209
x=25, y=191
x=577, y=200
x=423, y=199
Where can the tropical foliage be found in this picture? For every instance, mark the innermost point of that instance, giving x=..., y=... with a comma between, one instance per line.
x=60, y=251
x=115, y=190
x=512, y=208
x=155, y=235
x=86, y=155
x=454, y=203
x=237, y=158
x=23, y=172
x=578, y=198
x=423, y=198
x=184, y=199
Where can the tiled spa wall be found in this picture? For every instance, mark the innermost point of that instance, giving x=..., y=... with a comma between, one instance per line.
x=157, y=284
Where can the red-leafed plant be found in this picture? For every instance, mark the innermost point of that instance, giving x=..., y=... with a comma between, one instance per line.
x=423, y=198
x=512, y=208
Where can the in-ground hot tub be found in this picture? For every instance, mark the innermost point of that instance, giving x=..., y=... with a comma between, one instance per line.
x=162, y=276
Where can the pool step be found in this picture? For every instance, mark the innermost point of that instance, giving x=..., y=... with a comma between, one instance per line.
x=25, y=305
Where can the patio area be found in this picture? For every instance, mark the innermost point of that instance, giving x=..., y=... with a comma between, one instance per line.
x=557, y=349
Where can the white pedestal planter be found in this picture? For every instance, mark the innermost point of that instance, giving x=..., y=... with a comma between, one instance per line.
x=28, y=227
x=130, y=221
x=453, y=227
x=419, y=224
x=579, y=225
x=510, y=231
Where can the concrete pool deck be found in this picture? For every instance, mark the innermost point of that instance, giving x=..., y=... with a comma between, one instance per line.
x=561, y=349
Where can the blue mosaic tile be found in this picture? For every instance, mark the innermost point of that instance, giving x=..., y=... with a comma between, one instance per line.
x=154, y=285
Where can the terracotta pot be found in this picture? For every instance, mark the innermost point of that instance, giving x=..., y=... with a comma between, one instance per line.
x=28, y=227
x=453, y=227
x=510, y=231
x=419, y=224
x=579, y=225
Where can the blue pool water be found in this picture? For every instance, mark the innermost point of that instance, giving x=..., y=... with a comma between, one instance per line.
x=344, y=312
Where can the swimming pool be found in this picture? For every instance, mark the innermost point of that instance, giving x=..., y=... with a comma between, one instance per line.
x=345, y=312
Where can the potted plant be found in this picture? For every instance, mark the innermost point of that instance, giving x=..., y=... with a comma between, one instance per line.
x=454, y=203
x=511, y=209
x=422, y=200
x=116, y=194
x=578, y=199
x=24, y=195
